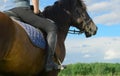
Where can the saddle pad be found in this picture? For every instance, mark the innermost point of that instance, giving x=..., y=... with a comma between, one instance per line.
x=34, y=34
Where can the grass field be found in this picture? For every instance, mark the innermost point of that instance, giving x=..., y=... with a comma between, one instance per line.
x=91, y=69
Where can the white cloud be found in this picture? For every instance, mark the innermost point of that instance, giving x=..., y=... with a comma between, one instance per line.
x=108, y=19
x=95, y=49
x=112, y=54
x=105, y=12
x=87, y=56
x=98, y=6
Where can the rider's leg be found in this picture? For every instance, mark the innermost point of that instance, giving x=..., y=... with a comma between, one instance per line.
x=52, y=39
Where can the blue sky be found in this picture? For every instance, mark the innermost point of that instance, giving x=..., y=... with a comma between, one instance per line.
x=105, y=45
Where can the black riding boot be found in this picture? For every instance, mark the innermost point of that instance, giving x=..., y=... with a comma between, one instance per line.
x=50, y=64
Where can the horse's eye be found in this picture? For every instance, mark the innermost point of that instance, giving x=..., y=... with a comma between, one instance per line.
x=78, y=11
x=83, y=15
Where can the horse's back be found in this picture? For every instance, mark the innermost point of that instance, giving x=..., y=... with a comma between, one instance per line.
x=17, y=52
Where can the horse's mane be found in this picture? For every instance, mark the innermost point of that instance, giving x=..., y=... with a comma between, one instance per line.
x=55, y=11
x=66, y=4
x=72, y=3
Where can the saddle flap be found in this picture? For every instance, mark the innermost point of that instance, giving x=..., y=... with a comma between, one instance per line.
x=35, y=35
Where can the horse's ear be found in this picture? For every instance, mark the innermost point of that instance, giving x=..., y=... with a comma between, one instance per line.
x=81, y=3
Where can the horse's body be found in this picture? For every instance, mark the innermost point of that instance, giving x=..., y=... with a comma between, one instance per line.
x=17, y=53
x=19, y=57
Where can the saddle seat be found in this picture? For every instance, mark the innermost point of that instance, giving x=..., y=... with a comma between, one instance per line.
x=35, y=34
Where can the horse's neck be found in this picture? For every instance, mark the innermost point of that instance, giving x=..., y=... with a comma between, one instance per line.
x=62, y=33
x=61, y=18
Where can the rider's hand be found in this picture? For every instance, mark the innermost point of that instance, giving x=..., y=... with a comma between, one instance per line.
x=36, y=11
x=36, y=6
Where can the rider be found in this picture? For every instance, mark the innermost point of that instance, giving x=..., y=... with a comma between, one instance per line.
x=23, y=11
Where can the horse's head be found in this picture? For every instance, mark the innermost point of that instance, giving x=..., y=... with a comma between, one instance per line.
x=79, y=17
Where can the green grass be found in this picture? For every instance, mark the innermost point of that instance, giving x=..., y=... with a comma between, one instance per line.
x=91, y=69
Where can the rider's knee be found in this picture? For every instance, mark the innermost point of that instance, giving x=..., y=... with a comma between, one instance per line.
x=52, y=27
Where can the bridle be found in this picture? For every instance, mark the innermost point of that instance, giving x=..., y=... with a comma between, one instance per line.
x=84, y=22
x=82, y=30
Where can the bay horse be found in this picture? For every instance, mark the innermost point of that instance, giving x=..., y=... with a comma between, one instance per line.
x=19, y=57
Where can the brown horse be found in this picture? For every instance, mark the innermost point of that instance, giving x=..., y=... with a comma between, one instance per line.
x=19, y=57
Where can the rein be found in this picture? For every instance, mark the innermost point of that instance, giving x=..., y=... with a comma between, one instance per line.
x=75, y=32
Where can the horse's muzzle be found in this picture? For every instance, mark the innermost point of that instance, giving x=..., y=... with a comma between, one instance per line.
x=88, y=34
x=91, y=30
